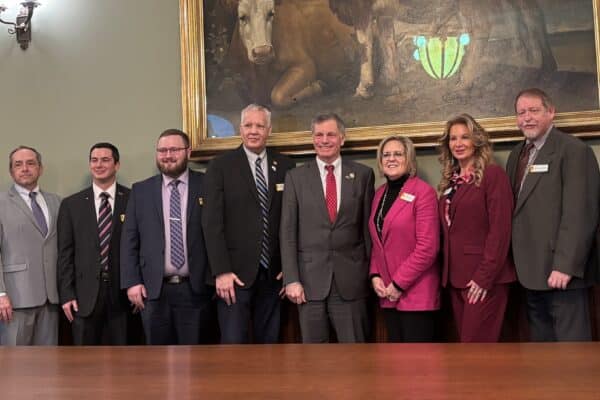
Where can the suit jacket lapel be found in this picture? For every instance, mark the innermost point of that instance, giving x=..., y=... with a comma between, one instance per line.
x=89, y=209
x=398, y=205
x=315, y=183
x=20, y=203
x=157, y=196
x=460, y=193
x=347, y=180
x=193, y=195
x=376, y=199
x=272, y=171
x=242, y=165
x=120, y=205
x=544, y=157
x=511, y=167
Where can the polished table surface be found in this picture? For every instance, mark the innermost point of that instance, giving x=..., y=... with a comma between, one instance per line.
x=293, y=371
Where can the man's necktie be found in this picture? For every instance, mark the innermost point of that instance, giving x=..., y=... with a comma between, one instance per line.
x=38, y=214
x=521, y=166
x=263, y=196
x=104, y=229
x=331, y=193
x=177, y=251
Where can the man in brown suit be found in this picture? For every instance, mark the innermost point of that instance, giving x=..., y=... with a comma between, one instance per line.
x=556, y=183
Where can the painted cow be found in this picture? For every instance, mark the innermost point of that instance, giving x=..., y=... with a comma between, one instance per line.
x=288, y=51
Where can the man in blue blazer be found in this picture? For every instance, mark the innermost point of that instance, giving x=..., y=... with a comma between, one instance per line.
x=163, y=260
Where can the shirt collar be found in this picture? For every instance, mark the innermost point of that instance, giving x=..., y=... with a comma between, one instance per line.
x=539, y=142
x=336, y=164
x=24, y=192
x=252, y=156
x=112, y=189
x=183, y=178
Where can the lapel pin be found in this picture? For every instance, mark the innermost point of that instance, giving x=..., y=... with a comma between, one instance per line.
x=273, y=167
x=200, y=201
x=350, y=175
x=122, y=218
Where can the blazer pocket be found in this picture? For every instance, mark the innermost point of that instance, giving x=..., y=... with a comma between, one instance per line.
x=15, y=267
x=470, y=249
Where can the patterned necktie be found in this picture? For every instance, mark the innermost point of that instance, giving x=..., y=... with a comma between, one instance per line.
x=521, y=166
x=330, y=193
x=104, y=229
x=263, y=196
x=38, y=214
x=177, y=251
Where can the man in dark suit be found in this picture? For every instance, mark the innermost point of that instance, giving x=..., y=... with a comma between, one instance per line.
x=241, y=227
x=163, y=260
x=89, y=235
x=325, y=242
x=28, y=293
x=556, y=183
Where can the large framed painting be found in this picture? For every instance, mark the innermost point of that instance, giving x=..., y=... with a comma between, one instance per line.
x=384, y=66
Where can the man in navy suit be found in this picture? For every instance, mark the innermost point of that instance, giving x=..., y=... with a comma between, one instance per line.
x=89, y=236
x=164, y=264
x=244, y=188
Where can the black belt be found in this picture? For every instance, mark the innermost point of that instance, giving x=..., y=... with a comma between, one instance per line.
x=175, y=279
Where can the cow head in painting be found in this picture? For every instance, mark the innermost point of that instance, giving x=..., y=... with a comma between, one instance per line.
x=255, y=24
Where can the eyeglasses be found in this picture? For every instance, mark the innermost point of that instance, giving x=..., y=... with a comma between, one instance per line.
x=396, y=154
x=172, y=150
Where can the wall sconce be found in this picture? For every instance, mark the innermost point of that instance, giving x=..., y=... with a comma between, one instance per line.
x=22, y=24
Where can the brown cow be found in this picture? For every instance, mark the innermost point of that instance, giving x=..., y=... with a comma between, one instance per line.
x=289, y=50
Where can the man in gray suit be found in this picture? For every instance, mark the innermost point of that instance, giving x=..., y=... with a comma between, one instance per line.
x=324, y=238
x=556, y=183
x=28, y=292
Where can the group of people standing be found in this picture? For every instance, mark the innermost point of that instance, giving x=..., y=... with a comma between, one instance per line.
x=255, y=228
x=536, y=223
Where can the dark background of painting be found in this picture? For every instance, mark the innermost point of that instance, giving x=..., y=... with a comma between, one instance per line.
x=573, y=85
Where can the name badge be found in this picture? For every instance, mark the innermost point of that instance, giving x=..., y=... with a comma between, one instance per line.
x=201, y=201
x=407, y=197
x=279, y=187
x=537, y=168
x=447, y=191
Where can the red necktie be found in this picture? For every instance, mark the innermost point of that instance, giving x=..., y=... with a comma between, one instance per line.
x=331, y=193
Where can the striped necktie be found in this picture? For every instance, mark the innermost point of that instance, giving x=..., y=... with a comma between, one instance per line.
x=177, y=250
x=263, y=196
x=104, y=229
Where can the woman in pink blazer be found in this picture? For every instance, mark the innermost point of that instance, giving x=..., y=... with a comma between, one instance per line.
x=475, y=210
x=404, y=228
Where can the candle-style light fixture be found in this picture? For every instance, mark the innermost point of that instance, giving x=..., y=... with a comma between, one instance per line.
x=22, y=25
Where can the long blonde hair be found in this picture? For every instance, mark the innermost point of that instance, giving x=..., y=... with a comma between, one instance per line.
x=483, y=151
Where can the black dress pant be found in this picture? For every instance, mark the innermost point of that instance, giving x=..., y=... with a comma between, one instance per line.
x=178, y=316
x=409, y=326
x=106, y=325
x=260, y=304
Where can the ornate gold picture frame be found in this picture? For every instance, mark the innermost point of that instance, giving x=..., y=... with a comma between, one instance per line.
x=417, y=95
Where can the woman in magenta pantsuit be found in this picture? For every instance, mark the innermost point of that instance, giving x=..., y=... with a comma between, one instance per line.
x=475, y=211
x=404, y=228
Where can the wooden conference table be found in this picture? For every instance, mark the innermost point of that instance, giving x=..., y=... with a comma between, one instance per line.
x=293, y=371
